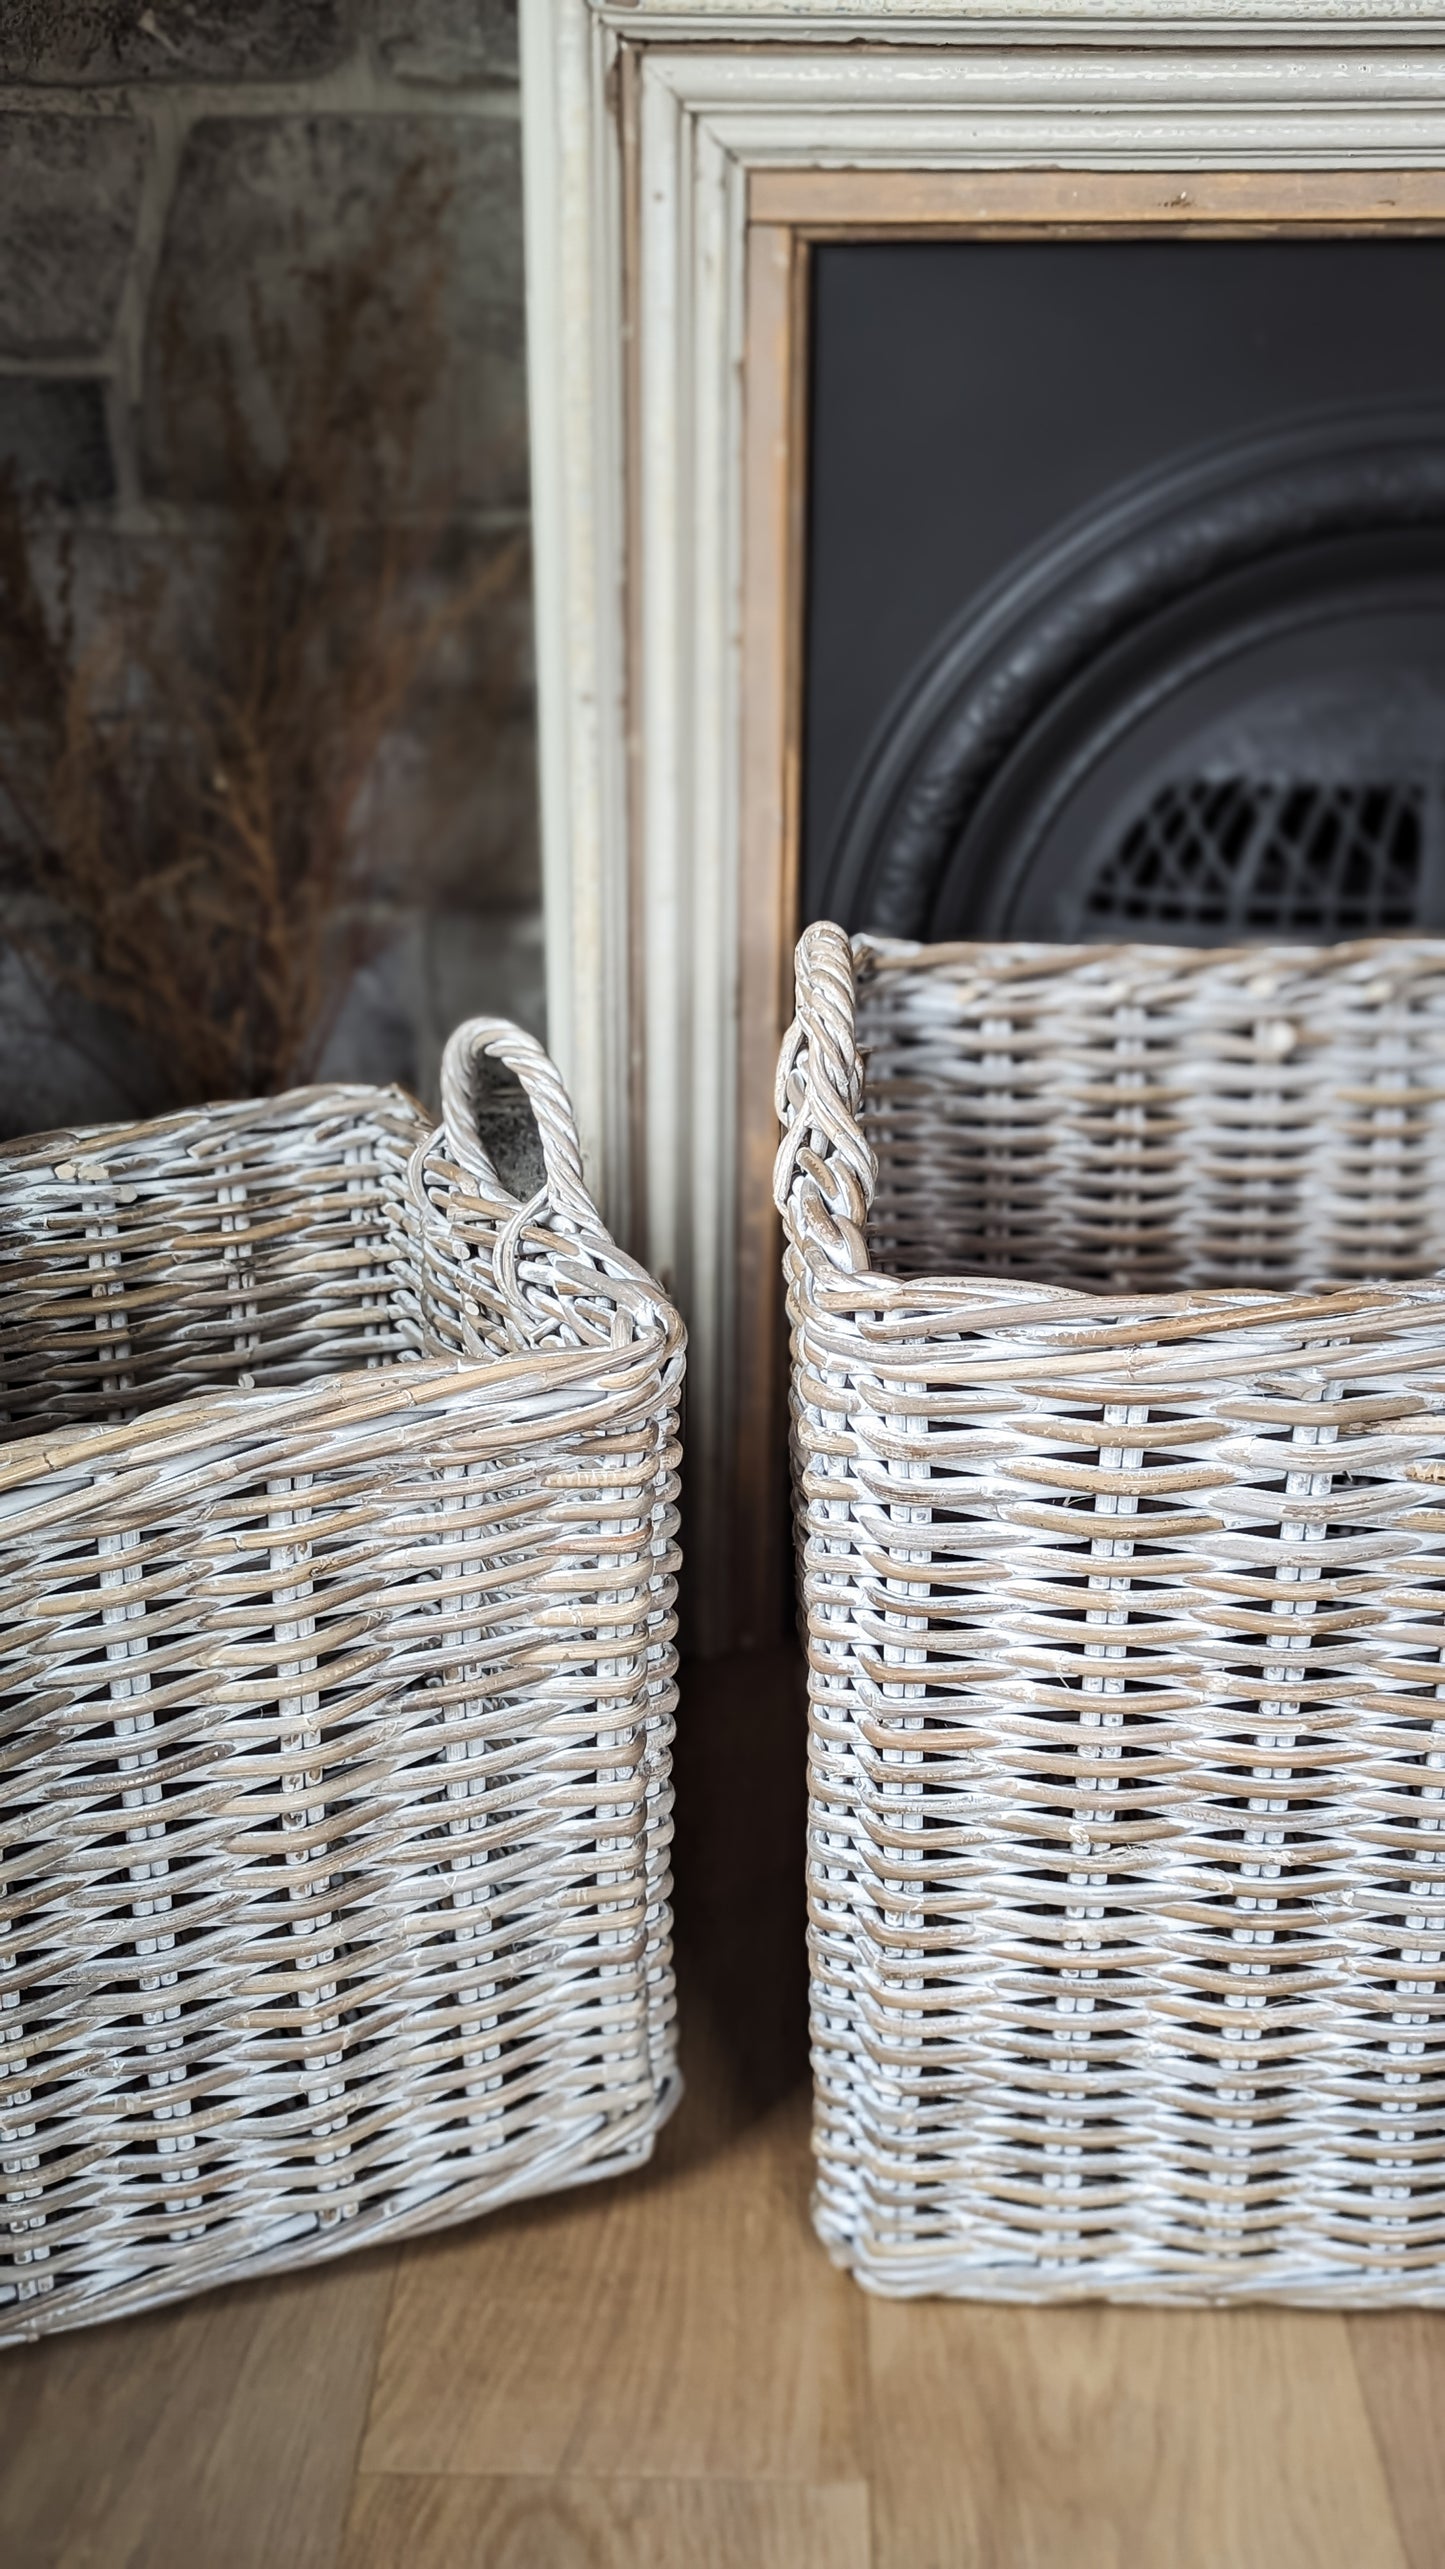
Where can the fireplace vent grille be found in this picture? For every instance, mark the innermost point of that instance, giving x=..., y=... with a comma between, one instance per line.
x=1215, y=858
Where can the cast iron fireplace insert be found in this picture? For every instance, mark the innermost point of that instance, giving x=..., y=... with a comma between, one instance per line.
x=1126, y=590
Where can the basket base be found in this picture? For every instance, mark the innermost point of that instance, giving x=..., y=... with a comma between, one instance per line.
x=943, y=2277
x=619, y=2148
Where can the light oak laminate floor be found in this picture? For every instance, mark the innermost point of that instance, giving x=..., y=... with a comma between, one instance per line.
x=666, y=2370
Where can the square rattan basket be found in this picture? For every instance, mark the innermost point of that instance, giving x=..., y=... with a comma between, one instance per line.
x=337, y=1573
x=1119, y=1412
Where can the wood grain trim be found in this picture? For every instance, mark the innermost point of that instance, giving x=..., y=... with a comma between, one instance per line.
x=626, y=108
x=864, y=200
x=774, y=461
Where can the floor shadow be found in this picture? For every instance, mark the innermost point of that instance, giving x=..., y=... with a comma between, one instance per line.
x=740, y=1773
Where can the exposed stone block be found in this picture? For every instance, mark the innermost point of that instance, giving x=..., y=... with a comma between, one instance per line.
x=259, y=201
x=376, y=1032
x=429, y=970
x=69, y=189
x=93, y=41
x=47, y=1080
x=447, y=40
x=451, y=815
x=53, y=432
x=479, y=964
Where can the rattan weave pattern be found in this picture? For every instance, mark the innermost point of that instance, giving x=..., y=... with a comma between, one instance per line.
x=335, y=1708
x=1125, y=1612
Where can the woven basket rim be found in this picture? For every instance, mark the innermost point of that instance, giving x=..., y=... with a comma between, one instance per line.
x=1218, y=1307
x=336, y=1095
x=1109, y=1318
x=578, y=1385
x=1274, y=960
x=244, y=1419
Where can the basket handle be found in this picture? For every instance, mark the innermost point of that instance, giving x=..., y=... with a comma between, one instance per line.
x=825, y=1172
x=520, y=1242
x=537, y=1146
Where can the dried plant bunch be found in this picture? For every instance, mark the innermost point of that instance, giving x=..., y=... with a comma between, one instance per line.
x=183, y=770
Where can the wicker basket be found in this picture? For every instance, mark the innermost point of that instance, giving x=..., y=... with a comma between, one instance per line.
x=338, y=1684
x=1123, y=1554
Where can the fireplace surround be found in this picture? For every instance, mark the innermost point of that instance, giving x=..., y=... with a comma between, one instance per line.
x=682, y=166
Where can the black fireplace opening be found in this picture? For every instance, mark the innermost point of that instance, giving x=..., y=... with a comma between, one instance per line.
x=1126, y=589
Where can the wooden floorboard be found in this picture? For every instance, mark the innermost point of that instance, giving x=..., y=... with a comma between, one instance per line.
x=666, y=2369
x=1100, y=2439
x=578, y=2523
x=682, y=2328
x=1400, y=2361
x=222, y=2434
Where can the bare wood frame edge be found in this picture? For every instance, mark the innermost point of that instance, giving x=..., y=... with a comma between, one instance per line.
x=788, y=210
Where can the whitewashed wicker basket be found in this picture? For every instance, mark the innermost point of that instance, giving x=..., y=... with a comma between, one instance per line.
x=338, y=1679
x=1126, y=1614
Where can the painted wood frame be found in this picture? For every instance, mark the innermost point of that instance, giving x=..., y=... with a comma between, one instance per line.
x=678, y=162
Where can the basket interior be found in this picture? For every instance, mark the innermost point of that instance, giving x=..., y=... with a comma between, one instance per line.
x=1146, y=1119
x=259, y=1244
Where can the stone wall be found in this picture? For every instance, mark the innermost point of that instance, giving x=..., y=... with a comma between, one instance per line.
x=174, y=158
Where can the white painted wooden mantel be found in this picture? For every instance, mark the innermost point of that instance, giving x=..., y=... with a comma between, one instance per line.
x=638, y=558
